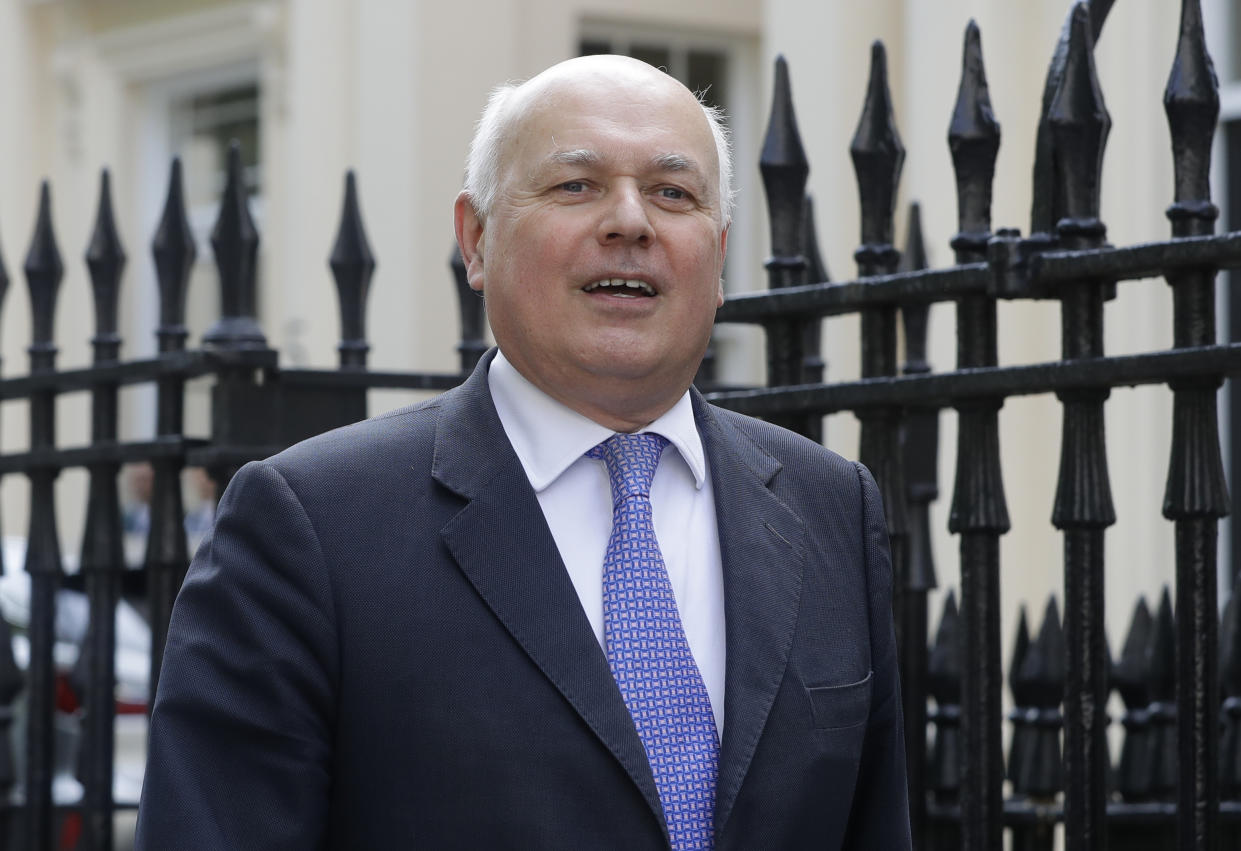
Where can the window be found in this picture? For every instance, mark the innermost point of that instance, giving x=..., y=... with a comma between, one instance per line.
x=204, y=124
x=703, y=68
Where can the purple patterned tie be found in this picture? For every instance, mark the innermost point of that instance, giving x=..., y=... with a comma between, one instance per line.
x=647, y=650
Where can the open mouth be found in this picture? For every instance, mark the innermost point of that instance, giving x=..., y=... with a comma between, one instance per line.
x=627, y=287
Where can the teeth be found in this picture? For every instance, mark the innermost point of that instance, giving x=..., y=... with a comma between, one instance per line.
x=621, y=283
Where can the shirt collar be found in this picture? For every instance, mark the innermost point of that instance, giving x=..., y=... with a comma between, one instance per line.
x=549, y=436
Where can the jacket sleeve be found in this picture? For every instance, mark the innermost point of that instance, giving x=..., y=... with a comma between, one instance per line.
x=241, y=731
x=880, y=813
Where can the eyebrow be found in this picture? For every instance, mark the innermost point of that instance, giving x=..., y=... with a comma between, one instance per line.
x=674, y=162
x=580, y=156
x=587, y=157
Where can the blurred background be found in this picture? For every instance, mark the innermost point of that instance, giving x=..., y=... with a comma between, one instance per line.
x=392, y=88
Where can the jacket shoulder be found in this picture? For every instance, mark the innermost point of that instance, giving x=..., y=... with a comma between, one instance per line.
x=798, y=455
x=404, y=436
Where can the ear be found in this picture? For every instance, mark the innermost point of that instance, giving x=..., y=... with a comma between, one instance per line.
x=470, y=234
x=719, y=299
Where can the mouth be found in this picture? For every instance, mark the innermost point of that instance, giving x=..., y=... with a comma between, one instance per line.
x=622, y=287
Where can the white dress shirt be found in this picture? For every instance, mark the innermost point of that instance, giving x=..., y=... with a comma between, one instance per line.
x=575, y=494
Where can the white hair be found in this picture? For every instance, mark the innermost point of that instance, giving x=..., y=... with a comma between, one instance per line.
x=482, y=165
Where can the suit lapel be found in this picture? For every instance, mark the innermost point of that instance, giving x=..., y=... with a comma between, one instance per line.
x=504, y=547
x=762, y=551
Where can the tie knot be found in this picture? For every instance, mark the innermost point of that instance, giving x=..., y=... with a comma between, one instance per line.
x=631, y=460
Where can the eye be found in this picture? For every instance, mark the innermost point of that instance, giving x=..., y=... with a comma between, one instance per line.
x=673, y=193
x=573, y=187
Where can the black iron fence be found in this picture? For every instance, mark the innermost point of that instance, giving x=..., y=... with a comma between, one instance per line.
x=1175, y=765
x=1176, y=780
x=257, y=408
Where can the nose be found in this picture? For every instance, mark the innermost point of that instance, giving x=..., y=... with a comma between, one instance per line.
x=625, y=217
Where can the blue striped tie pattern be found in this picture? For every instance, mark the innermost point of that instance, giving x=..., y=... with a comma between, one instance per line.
x=647, y=649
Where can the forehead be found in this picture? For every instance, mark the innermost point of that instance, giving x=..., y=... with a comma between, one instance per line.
x=638, y=124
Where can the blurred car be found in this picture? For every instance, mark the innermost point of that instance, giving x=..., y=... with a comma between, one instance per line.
x=133, y=659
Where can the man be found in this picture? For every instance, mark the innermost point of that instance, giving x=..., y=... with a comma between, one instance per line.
x=480, y=623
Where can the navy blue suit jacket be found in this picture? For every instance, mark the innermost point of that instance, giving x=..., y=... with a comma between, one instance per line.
x=379, y=647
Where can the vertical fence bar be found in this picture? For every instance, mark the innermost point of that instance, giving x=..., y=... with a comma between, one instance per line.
x=877, y=156
x=44, y=270
x=1083, y=505
x=944, y=769
x=103, y=556
x=166, y=557
x=812, y=331
x=1196, y=495
x=784, y=169
x=979, y=512
x=920, y=444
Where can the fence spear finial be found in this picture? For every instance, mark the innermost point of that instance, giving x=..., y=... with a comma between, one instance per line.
x=784, y=168
x=235, y=241
x=1131, y=677
x=1046, y=207
x=1021, y=648
x=877, y=155
x=44, y=270
x=944, y=671
x=1022, y=699
x=105, y=258
x=1079, y=124
x=1161, y=679
x=1044, y=671
x=4, y=289
x=945, y=664
x=1191, y=101
x=174, y=252
x=352, y=265
x=974, y=139
x=1161, y=671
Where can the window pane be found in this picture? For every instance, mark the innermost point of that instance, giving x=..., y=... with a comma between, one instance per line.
x=651, y=54
x=593, y=46
x=204, y=126
x=707, y=75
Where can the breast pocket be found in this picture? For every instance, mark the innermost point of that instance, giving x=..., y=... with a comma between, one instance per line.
x=835, y=707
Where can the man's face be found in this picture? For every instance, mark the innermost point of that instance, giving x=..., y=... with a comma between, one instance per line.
x=601, y=257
